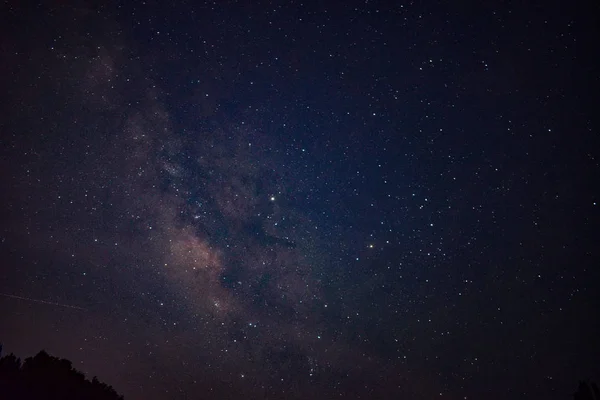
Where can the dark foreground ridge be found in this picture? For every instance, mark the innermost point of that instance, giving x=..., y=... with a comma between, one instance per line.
x=46, y=377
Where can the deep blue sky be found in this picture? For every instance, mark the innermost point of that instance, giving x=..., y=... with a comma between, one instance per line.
x=274, y=200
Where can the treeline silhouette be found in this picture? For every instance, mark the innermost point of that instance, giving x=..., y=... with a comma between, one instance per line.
x=44, y=377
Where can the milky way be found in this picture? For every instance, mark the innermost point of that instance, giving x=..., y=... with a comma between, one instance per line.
x=208, y=214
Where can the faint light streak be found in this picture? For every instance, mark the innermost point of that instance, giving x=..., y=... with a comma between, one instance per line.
x=51, y=303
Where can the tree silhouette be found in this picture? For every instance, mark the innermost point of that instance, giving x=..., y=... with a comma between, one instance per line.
x=587, y=391
x=44, y=377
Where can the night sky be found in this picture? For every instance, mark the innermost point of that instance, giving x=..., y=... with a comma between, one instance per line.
x=355, y=200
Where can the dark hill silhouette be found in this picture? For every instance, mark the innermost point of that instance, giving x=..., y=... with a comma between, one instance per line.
x=44, y=377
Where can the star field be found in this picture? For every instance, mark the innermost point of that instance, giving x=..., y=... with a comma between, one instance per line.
x=358, y=200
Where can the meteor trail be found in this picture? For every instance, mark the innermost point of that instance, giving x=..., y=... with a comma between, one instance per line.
x=12, y=296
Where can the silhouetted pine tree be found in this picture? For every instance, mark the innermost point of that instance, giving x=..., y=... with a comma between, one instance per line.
x=44, y=377
x=587, y=391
